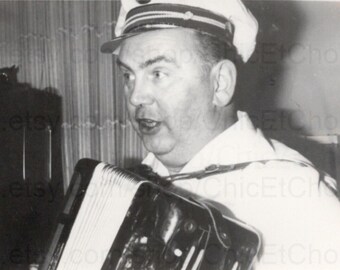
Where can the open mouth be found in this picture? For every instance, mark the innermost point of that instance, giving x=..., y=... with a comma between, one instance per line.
x=147, y=124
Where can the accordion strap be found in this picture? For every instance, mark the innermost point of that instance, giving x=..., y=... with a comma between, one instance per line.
x=221, y=169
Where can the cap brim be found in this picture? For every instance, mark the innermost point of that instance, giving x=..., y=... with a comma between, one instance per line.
x=112, y=45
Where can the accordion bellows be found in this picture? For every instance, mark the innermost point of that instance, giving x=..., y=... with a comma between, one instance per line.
x=116, y=219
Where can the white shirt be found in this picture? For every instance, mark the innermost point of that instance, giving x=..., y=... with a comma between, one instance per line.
x=296, y=214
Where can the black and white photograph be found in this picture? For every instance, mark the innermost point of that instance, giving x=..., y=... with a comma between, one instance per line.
x=169, y=134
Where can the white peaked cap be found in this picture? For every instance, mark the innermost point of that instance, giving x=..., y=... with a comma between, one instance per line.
x=226, y=19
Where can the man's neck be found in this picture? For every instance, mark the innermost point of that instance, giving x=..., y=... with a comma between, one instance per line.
x=176, y=167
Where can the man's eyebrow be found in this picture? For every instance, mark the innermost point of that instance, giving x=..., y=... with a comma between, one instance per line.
x=157, y=59
x=121, y=64
x=150, y=62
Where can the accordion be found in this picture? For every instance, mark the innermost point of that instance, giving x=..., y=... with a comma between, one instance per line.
x=117, y=219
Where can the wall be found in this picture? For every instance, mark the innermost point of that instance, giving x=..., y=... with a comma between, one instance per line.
x=56, y=44
x=296, y=67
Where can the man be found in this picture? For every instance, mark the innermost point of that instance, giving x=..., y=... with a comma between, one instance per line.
x=178, y=63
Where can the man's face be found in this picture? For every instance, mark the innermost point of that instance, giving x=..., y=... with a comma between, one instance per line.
x=169, y=96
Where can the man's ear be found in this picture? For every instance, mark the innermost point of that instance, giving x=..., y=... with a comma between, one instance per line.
x=223, y=77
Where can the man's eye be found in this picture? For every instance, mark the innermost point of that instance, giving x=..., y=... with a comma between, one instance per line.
x=158, y=74
x=127, y=76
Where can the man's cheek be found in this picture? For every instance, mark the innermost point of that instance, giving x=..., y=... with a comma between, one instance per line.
x=182, y=120
x=185, y=123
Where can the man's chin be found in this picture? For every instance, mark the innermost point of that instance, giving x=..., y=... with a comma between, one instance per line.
x=157, y=147
x=158, y=151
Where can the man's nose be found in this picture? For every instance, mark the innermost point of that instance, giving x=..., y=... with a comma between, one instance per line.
x=141, y=94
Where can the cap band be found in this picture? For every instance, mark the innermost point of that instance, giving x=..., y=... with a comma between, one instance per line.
x=160, y=16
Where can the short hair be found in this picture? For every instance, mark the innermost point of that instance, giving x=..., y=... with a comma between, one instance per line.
x=211, y=50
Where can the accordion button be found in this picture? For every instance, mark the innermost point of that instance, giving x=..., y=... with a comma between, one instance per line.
x=178, y=252
x=190, y=226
